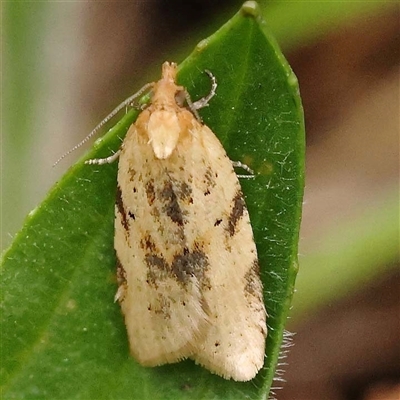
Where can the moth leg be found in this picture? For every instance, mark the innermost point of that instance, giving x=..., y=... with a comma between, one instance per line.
x=107, y=160
x=238, y=164
x=203, y=102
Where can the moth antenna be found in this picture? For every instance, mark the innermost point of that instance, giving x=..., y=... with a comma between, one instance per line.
x=125, y=103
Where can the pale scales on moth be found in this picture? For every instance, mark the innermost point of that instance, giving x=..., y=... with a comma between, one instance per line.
x=189, y=284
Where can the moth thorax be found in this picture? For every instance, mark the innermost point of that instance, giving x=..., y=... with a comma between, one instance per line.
x=163, y=129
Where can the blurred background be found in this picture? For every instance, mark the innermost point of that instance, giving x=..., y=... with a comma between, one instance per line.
x=65, y=65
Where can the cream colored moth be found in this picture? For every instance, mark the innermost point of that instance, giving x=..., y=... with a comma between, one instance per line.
x=188, y=274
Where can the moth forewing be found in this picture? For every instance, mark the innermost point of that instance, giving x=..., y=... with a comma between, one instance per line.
x=235, y=342
x=163, y=315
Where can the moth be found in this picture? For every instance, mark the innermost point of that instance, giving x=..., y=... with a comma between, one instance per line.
x=188, y=274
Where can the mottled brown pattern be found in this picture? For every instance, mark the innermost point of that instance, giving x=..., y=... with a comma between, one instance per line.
x=184, y=267
x=189, y=264
x=151, y=195
x=236, y=213
x=252, y=286
x=210, y=178
x=157, y=269
x=132, y=174
x=184, y=192
x=121, y=210
x=171, y=206
x=121, y=273
x=121, y=278
x=163, y=306
x=147, y=243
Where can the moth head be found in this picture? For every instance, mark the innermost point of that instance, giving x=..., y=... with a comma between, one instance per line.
x=169, y=71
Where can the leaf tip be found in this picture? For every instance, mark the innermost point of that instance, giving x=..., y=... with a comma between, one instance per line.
x=251, y=8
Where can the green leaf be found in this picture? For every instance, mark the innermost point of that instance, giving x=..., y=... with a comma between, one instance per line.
x=62, y=334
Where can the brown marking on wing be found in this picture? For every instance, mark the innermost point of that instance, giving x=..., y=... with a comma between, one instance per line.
x=171, y=206
x=150, y=192
x=121, y=210
x=237, y=211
